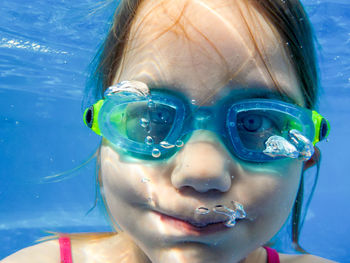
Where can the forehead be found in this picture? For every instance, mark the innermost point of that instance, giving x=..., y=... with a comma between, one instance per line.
x=207, y=48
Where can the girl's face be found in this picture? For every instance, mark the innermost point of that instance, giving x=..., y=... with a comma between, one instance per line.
x=203, y=49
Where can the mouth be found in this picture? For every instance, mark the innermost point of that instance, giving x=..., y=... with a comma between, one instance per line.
x=191, y=227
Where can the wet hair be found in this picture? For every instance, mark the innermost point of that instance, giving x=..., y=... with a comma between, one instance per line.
x=288, y=17
x=290, y=20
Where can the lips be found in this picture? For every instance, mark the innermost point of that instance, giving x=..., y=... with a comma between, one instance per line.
x=196, y=223
x=194, y=227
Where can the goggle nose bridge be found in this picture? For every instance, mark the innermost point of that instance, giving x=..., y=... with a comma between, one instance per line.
x=203, y=118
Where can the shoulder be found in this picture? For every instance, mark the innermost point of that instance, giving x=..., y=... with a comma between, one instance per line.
x=284, y=258
x=113, y=246
x=45, y=252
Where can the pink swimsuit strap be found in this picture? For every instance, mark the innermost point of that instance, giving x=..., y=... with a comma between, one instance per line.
x=272, y=255
x=65, y=250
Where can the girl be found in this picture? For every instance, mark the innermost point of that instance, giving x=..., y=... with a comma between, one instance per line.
x=205, y=112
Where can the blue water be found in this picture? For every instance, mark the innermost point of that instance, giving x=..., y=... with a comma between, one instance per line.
x=45, y=50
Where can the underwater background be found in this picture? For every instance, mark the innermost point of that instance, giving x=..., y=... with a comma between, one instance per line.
x=45, y=51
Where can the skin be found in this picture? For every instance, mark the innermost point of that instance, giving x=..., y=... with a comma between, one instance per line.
x=208, y=53
x=204, y=50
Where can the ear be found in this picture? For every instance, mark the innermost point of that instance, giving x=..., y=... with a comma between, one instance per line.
x=315, y=159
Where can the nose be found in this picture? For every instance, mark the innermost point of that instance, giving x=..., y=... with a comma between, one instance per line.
x=203, y=164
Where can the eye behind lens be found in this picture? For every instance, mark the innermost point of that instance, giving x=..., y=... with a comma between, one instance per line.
x=252, y=122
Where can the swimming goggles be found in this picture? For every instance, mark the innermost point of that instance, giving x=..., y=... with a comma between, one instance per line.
x=157, y=123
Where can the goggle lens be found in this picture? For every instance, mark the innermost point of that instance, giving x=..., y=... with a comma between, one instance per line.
x=148, y=124
x=255, y=127
x=139, y=125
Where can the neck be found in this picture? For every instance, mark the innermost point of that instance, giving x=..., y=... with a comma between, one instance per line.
x=125, y=250
x=259, y=255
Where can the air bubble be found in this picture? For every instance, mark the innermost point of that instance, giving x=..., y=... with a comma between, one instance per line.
x=148, y=129
x=202, y=211
x=279, y=146
x=149, y=140
x=156, y=153
x=166, y=145
x=230, y=223
x=151, y=104
x=179, y=143
x=151, y=202
x=145, y=180
x=221, y=209
x=303, y=144
x=144, y=122
x=232, y=124
x=239, y=210
x=193, y=102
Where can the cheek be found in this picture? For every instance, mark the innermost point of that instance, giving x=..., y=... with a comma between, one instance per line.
x=127, y=183
x=270, y=196
x=121, y=181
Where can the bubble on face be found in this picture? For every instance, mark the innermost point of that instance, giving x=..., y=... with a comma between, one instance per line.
x=221, y=209
x=236, y=212
x=151, y=202
x=230, y=223
x=239, y=210
x=202, y=210
x=145, y=180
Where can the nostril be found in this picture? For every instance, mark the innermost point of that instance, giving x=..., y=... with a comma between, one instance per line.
x=191, y=191
x=201, y=183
